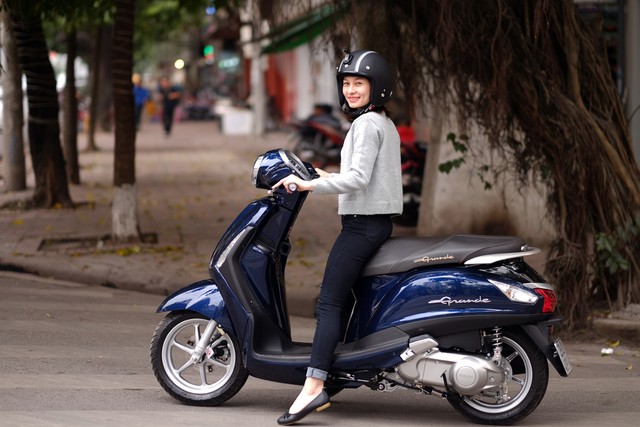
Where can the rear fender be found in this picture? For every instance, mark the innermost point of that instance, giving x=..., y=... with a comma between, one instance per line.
x=201, y=297
x=542, y=335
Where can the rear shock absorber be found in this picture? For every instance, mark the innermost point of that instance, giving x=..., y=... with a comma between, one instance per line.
x=496, y=343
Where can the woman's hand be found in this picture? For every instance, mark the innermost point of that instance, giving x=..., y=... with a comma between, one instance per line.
x=298, y=184
x=322, y=173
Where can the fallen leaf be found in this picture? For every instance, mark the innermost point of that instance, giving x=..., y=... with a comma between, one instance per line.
x=613, y=344
x=128, y=251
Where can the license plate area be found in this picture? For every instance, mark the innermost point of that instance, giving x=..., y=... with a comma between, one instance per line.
x=563, y=356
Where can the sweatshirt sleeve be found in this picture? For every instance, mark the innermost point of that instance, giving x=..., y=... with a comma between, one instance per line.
x=357, y=160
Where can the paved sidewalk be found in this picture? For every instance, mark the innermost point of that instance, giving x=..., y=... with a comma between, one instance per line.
x=190, y=186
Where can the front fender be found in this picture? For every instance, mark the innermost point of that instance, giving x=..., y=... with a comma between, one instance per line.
x=202, y=297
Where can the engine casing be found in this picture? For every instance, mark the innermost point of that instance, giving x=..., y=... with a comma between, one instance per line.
x=468, y=375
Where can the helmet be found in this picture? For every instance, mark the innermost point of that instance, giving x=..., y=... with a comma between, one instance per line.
x=373, y=66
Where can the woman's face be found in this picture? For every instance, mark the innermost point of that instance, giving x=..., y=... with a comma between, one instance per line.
x=356, y=91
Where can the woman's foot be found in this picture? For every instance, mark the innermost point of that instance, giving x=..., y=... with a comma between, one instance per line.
x=303, y=406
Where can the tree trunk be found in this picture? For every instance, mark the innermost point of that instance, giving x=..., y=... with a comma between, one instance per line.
x=71, y=112
x=535, y=78
x=124, y=211
x=44, y=128
x=15, y=177
x=431, y=173
x=105, y=99
x=94, y=85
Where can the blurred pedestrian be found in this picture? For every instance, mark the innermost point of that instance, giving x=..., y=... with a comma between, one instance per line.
x=141, y=96
x=170, y=95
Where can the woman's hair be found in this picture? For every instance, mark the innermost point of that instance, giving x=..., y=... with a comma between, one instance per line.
x=383, y=109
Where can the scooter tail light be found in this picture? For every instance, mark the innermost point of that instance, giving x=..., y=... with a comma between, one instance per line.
x=514, y=293
x=549, y=298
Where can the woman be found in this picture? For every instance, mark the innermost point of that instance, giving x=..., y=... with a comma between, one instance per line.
x=370, y=193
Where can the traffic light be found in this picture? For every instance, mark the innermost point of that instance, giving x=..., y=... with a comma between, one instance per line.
x=209, y=54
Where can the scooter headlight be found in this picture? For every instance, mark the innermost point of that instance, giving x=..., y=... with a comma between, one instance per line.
x=254, y=172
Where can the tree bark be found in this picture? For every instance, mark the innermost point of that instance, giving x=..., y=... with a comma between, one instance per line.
x=51, y=186
x=15, y=176
x=124, y=212
x=105, y=101
x=70, y=131
x=94, y=87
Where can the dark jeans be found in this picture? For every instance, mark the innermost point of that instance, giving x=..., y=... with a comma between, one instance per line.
x=167, y=116
x=361, y=235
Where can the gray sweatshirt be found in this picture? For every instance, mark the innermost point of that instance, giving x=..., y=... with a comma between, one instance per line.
x=370, y=178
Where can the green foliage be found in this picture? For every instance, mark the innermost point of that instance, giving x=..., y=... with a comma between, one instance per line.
x=160, y=26
x=66, y=13
x=482, y=173
x=459, y=146
x=610, y=248
x=156, y=20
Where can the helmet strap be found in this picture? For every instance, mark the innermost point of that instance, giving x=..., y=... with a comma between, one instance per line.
x=355, y=113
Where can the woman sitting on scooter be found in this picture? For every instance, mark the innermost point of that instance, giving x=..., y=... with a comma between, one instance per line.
x=369, y=185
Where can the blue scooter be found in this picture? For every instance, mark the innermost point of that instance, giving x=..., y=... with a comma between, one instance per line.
x=462, y=317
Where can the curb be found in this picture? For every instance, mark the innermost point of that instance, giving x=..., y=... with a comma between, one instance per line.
x=618, y=329
x=299, y=301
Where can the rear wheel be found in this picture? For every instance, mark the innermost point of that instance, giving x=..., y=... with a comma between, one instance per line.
x=217, y=377
x=524, y=390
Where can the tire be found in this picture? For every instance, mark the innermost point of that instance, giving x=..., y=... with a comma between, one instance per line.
x=531, y=371
x=210, y=382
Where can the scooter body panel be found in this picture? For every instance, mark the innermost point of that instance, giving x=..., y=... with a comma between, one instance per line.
x=426, y=295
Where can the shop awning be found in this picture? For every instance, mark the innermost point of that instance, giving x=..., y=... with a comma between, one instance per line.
x=302, y=30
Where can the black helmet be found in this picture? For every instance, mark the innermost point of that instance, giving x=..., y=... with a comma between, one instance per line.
x=373, y=66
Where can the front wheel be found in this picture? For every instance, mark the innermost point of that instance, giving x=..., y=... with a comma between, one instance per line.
x=523, y=391
x=214, y=379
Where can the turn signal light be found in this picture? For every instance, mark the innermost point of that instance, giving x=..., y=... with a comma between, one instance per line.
x=550, y=300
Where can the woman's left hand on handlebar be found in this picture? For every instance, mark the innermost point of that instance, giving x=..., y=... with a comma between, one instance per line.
x=293, y=183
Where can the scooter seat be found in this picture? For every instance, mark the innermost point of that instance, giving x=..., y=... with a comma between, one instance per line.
x=404, y=253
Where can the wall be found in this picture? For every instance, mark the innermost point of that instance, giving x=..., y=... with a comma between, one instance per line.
x=458, y=203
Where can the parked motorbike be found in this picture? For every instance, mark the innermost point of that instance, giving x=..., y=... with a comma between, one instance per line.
x=318, y=139
x=462, y=317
